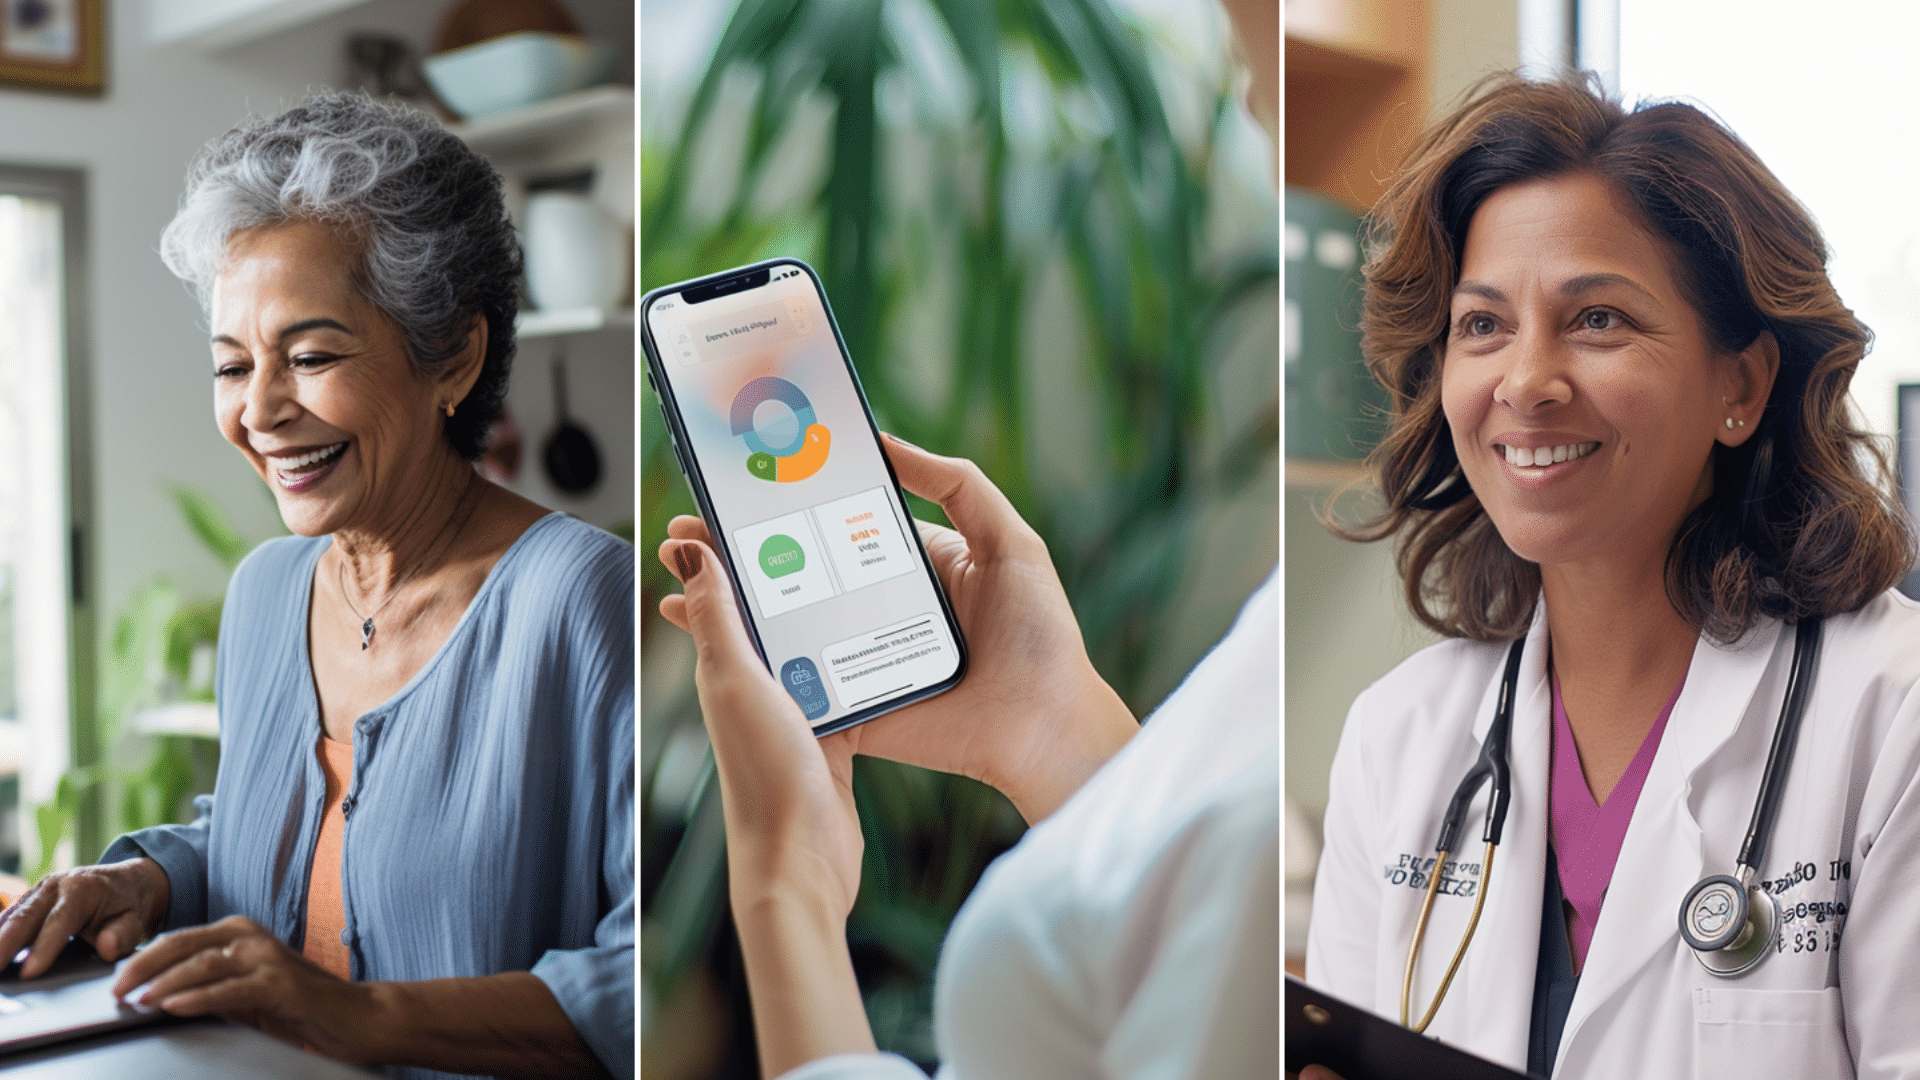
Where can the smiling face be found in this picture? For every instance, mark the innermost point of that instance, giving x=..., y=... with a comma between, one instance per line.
x=1582, y=388
x=313, y=385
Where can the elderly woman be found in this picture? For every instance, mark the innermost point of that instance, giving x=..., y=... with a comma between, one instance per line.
x=1628, y=487
x=419, y=851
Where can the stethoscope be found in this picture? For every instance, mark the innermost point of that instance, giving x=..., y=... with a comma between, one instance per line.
x=1729, y=923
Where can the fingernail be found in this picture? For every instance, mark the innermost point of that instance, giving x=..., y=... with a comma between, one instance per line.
x=688, y=557
x=903, y=442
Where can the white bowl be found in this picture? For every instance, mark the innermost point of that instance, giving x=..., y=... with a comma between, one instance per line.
x=509, y=72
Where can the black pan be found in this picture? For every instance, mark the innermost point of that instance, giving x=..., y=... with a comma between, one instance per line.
x=572, y=457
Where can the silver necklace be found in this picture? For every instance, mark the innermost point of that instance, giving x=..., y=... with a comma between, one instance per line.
x=445, y=539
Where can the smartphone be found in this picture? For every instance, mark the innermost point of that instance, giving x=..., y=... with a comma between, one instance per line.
x=780, y=448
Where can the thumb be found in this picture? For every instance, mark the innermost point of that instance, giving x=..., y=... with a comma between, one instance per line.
x=712, y=614
x=756, y=729
x=978, y=509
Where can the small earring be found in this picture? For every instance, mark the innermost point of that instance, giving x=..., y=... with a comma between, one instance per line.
x=448, y=405
x=1729, y=423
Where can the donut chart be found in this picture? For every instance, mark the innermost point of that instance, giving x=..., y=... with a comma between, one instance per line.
x=794, y=460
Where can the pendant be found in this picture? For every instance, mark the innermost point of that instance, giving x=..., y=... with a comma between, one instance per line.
x=366, y=633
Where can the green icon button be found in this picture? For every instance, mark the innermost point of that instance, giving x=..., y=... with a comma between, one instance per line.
x=781, y=555
x=763, y=466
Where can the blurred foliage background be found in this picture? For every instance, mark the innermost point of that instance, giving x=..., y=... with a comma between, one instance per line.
x=1049, y=233
x=161, y=658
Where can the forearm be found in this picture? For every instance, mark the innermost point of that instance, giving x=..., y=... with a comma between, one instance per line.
x=506, y=1025
x=806, y=1004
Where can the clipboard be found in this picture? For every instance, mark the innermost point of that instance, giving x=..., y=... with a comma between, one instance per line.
x=1361, y=1045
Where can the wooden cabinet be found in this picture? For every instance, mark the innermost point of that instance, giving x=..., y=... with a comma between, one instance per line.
x=1356, y=93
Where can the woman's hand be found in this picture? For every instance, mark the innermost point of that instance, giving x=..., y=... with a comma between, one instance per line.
x=793, y=837
x=1032, y=718
x=236, y=970
x=502, y=1025
x=788, y=796
x=114, y=907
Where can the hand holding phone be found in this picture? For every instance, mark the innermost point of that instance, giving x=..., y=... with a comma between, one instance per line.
x=782, y=455
x=1033, y=719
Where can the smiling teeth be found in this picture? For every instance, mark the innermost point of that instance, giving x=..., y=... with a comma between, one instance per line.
x=295, y=464
x=1548, y=455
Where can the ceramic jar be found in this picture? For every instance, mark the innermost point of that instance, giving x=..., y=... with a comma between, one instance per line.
x=578, y=255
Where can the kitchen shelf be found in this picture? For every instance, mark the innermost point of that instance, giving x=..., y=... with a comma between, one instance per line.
x=220, y=24
x=598, y=114
x=539, y=324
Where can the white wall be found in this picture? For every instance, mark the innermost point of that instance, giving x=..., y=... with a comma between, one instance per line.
x=1471, y=39
x=150, y=371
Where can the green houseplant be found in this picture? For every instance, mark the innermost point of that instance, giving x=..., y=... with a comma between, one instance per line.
x=991, y=172
x=161, y=652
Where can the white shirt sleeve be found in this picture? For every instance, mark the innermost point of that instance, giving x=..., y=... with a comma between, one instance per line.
x=1204, y=1006
x=857, y=1067
x=1135, y=935
x=1165, y=969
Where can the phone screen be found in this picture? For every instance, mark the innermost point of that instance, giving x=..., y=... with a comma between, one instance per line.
x=793, y=481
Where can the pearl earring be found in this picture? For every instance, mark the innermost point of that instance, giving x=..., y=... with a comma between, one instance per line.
x=1729, y=423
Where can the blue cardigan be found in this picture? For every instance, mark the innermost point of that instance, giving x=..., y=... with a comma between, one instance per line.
x=489, y=822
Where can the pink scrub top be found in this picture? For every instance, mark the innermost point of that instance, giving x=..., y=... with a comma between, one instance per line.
x=1587, y=835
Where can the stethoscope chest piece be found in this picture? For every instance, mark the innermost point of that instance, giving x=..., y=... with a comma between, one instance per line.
x=1730, y=926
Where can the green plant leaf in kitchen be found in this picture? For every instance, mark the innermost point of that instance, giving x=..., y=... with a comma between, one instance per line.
x=161, y=652
x=210, y=524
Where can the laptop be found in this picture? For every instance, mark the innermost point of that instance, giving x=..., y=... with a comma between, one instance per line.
x=72, y=1000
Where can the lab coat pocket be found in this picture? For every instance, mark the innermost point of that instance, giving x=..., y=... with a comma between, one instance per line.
x=1749, y=1033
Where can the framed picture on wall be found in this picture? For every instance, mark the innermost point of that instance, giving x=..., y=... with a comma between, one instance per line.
x=56, y=45
x=1908, y=466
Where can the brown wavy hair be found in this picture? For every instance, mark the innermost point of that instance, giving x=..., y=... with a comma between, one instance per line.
x=1801, y=520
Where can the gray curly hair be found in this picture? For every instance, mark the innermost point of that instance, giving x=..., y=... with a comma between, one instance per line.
x=436, y=245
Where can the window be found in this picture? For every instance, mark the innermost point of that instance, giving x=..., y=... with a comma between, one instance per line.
x=1837, y=133
x=41, y=619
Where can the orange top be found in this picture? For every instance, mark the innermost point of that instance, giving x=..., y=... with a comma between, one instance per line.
x=326, y=918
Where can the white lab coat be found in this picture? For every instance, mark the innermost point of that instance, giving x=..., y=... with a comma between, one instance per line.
x=1842, y=859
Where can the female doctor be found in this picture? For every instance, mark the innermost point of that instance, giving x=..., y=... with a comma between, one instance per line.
x=1620, y=436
